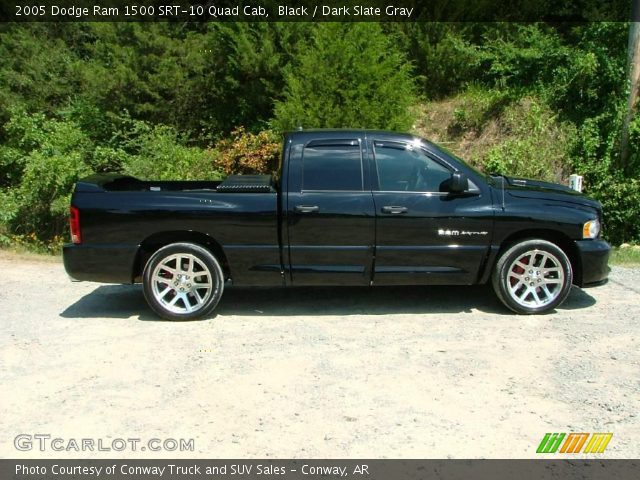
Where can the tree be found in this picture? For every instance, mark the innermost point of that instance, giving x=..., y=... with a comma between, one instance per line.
x=351, y=75
x=634, y=81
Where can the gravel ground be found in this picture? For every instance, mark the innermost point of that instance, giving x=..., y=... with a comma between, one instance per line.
x=441, y=372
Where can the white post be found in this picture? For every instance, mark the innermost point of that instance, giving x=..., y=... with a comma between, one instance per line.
x=575, y=182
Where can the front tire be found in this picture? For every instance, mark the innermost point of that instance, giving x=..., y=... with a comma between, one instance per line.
x=183, y=281
x=532, y=276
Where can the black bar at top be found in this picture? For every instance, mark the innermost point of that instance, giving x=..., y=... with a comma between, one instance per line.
x=323, y=10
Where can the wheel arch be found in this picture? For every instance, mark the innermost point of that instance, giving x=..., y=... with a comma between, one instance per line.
x=563, y=241
x=155, y=242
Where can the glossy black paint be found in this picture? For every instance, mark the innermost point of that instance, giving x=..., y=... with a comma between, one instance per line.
x=594, y=257
x=333, y=243
x=244, y=225
x=356, y=237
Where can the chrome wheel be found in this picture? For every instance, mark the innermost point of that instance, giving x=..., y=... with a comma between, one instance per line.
x=182, y=283
x=535, y=279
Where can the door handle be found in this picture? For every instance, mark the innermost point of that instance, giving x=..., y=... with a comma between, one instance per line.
x=394, y=210
x=307, y=208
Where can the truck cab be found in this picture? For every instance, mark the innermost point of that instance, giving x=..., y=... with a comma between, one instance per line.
x=374, y=208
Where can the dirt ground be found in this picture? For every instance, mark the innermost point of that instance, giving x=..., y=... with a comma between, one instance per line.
x=438, y=372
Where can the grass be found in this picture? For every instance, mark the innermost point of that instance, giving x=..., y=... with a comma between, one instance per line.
x=30, y=244
x=625, y=257
x=21, y=253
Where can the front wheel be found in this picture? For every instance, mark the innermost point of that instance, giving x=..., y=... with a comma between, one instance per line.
x=183, y=281
x=533, y=276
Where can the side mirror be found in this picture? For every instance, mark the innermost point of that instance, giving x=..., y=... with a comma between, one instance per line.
x=459, y=183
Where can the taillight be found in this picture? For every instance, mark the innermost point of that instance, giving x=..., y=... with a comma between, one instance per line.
x=74, y=223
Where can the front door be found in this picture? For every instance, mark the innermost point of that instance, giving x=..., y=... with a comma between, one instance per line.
x=424, y=234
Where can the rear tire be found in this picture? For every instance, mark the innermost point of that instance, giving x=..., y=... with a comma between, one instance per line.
x=532, y=276
x=183, y=281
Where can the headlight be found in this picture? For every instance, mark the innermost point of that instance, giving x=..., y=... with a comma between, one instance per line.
x=591, y=229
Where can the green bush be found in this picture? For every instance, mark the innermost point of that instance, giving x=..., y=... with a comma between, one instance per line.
x=443, y=54
x=634, y=146
x=55, y=154
x=351, y=75
x=620, y=198
x=534, y=144
x=42, y=159
x=23, y=133
x=160, y=155
x=479, y=106
x=108, y=159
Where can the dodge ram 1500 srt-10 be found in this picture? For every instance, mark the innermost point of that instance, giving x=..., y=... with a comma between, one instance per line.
x=348, y=207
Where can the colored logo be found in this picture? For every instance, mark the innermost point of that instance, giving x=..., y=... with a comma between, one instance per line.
x=574, y=442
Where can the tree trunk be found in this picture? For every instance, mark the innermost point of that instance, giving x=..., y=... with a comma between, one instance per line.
x=634, y=82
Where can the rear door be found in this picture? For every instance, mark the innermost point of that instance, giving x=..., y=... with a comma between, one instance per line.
x=424, y=234
x=330, y=214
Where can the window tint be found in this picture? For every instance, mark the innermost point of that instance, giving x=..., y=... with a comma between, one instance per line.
x=332, y=166
x=402, y=167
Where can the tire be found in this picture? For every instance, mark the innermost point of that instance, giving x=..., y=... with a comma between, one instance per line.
x=532, y=276
x=183, y=281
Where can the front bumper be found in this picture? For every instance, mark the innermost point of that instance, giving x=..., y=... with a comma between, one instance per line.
x=100, y=263
x=594, y=261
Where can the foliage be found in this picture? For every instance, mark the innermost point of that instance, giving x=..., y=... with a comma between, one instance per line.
x=43, y=157
x=351, y=75
x=31, y=243
x=620, y=199
x=151, y=99
x=619, y=193
x=535, y=144
x=202, y=80
x=160, y=155
x=480, y=105
x=445, y=59
x=55, y=153
x=249, y=153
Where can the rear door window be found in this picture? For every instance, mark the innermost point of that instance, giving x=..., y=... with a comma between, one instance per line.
x=332, y=165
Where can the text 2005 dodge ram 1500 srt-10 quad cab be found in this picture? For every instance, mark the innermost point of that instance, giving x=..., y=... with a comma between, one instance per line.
x=349, y=208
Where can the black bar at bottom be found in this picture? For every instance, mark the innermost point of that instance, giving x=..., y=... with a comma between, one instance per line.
x=319, y=469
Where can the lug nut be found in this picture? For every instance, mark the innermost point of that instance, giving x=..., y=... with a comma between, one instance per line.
x=526, y=279
x=531, y=284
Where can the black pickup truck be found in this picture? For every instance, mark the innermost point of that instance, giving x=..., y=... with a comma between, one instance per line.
x=349, y=207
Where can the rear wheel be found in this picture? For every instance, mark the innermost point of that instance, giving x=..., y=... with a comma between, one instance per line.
x=533, y=276
x=183, y=281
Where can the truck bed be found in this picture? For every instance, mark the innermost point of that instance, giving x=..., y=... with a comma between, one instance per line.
x=122, y=216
